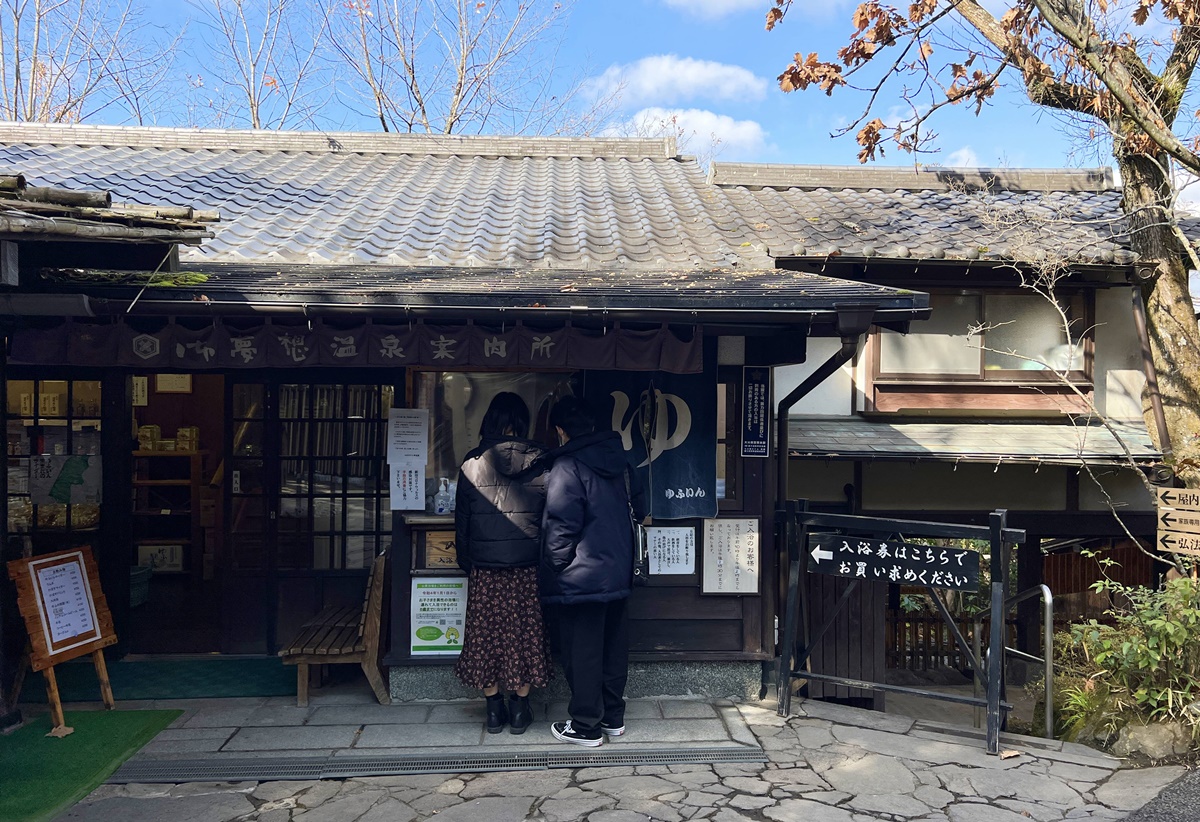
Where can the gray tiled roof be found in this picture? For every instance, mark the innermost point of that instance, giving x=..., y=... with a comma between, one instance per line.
x=351, y=199
x=931, y=214
x=406, y=200
x=1069, y=443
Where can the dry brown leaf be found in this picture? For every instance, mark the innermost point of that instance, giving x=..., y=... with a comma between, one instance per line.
x=1009, y=754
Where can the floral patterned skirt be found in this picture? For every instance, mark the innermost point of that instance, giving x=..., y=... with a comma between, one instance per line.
x=504, y=642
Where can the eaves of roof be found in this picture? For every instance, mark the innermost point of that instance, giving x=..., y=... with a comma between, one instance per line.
x=772, y=295
x=1075, y=442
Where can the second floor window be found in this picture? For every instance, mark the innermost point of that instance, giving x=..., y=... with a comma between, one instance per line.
x=1013, y=337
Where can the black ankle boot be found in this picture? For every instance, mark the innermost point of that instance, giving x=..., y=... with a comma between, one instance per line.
x=519, y=713
x=497, y=714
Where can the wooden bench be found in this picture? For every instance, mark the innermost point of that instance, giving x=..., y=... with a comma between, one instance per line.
x=342, y=635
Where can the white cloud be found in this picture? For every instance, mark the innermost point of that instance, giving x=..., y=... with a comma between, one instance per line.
x=717, y=8
x=705, y=134
x=965, y=157
x=1188, y=193
x=665, y=79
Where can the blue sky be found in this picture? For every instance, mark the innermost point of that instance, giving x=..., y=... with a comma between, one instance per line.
x=729, y=70
x=711, y=66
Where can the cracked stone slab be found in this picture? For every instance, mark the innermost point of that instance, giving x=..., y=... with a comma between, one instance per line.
x=509, y=783
x=342, y=808
x=1128, y=790
x=894, y=804
x=489, y=809
x=634, y=787
x=804, y=810
x=846, y=715
x=873, y=774
x=975, y=812
x=388, y=810
x=904, y=746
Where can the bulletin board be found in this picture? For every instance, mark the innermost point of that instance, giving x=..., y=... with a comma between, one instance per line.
x=65, y=612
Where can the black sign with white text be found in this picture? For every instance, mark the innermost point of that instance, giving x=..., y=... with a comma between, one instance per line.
x=893, y=561
x=756, y=412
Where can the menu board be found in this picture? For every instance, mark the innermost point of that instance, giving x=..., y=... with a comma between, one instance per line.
x=438, y=618
x=65, y=612
x=731, y=561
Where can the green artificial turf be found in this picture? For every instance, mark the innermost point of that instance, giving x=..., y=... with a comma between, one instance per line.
x=40, y=776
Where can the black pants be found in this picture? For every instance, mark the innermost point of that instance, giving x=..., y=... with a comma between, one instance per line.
x=594, y=643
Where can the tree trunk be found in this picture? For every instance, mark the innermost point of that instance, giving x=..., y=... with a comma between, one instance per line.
x=1170, y=318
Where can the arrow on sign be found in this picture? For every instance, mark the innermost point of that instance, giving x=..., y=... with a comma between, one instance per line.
x=1179, y=497
x=1184, y=521
x=1178, y=542
x=818, y=554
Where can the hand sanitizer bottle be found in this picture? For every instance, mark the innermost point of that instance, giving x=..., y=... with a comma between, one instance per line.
x=442, y=500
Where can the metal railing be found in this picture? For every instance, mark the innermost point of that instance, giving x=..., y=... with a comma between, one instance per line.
x=1047, y=648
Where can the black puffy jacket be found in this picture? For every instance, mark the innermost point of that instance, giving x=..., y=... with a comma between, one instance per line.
x=587, y=536
x=498, y=505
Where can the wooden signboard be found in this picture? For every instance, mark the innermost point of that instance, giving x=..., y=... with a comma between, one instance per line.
x=891, y=561
x=1179, y=521
x=66, y=616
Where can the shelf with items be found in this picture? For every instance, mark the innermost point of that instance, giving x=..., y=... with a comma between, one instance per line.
x=167, y=494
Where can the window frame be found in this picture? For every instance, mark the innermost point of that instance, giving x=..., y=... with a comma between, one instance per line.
x=1036, y=391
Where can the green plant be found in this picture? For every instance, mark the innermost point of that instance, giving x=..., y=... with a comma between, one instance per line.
x=913, y=603
x=1149, y=658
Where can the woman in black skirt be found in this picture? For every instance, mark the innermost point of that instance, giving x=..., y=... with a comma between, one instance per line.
x=497, y=520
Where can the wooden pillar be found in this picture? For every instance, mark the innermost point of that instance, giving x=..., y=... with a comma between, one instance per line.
x=112, y=547
x=12, y=631
x=1029, y=613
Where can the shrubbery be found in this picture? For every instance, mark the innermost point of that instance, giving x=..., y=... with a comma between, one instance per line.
x=1145, y=665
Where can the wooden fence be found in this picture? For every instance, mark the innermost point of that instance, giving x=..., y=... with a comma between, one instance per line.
x=919, y=642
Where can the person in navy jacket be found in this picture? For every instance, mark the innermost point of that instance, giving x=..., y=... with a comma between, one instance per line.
x=593, y=502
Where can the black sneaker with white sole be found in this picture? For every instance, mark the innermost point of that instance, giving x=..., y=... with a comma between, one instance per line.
x=564, y=732
x=612, y=730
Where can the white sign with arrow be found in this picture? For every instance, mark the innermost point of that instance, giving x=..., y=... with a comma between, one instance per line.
x=818, y=554
x=1179, y=520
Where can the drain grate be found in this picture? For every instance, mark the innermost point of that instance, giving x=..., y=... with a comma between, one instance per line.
x=266, y=769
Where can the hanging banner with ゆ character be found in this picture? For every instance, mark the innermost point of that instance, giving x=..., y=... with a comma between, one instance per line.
x=668, y=425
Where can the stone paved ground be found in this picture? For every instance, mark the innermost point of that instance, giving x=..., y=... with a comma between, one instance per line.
x=832, y=764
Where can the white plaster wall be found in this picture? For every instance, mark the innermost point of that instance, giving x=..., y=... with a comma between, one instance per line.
x=832, y=397
x=819, y=480
x=1124, y=487
x=942, y=487
x=1118, y=366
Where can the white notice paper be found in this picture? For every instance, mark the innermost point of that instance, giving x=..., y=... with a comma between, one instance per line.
x=67, y=602
x=408, y=436
x=730, y=556
x=671, y=550
x=408, y=451
x=407, y=486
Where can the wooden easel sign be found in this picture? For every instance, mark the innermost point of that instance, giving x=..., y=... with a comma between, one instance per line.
x=66, y=616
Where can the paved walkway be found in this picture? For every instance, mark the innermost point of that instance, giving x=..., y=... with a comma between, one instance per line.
x=828, y=764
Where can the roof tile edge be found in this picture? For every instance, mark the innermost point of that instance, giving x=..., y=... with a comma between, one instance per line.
x=859, y=178
x=334, y=141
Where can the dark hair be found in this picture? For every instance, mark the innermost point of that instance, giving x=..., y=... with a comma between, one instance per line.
x=507, y=412
x=573, y=416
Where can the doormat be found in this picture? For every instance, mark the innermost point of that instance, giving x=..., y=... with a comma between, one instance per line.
x=168, y=679
x=43, y=776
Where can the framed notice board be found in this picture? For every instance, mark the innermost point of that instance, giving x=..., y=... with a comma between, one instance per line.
x=64, y=609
